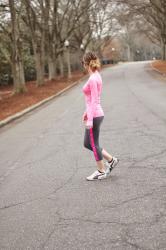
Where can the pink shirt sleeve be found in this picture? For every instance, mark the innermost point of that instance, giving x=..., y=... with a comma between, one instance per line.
x=94, y=101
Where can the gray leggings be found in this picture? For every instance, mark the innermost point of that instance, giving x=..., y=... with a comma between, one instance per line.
x=91, y=138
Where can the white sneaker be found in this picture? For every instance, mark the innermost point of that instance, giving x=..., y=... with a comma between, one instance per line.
x=111, y=165
x=96, y=176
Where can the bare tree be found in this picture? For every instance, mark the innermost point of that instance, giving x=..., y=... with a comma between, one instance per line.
x=152, y=12
x=35, y=17
x=46, y=24
x=17, y=62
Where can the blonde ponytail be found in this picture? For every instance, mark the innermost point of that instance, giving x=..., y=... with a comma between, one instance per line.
x=90, y=59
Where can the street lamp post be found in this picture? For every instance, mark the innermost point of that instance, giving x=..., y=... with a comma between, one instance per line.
x=81, y=55
x=113, y=50
x=153, y=55
x=138, y=54
x=82, y=47
x=66, y=43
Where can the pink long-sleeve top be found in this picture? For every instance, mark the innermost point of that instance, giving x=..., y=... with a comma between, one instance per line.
x=92, y=92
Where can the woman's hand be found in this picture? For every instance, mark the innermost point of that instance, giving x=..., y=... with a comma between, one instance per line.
x=84, y=118
x=88, y=126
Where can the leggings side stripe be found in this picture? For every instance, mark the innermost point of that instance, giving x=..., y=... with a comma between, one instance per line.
x=93, y=144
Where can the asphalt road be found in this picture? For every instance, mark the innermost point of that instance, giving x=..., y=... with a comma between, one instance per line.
x=45, y=200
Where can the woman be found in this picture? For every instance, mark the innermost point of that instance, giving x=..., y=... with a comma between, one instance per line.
x=93, y=117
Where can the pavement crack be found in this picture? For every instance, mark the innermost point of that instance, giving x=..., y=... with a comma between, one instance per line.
x=45, y=196
x=155, y=114
x=130, y=200
x=13, y=166
x=135, y=245
x=129, y=240
x=150, y=156
x=66, y=182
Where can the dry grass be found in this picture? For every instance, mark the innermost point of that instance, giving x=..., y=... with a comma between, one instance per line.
x=160, y=66
x=11, y=104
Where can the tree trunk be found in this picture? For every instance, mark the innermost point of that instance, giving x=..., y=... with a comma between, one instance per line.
x=52, y=68
x=39, y=69
x=17, y=63
x=163, y=51
x=67, y=54
x=19, y=85
x=39, y=63
x=38, y=31
x=61, y=65
x=129, y=57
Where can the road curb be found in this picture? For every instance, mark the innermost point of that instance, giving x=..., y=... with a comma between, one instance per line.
x=34, y=106
x=158, y=71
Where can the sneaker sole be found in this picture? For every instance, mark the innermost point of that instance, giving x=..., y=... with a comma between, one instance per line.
x=93, y=180
x=96, y=179
x=102, y=177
